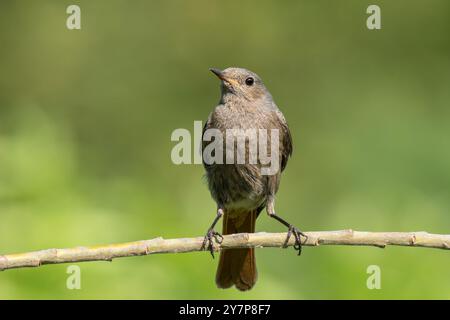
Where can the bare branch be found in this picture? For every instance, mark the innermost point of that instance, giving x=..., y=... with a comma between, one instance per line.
x=242, y=240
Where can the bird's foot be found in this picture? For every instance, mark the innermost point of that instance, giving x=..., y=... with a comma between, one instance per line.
x=208, y=241
x=298, y=240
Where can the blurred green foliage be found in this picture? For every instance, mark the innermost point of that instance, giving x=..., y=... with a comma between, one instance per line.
x=86, y=118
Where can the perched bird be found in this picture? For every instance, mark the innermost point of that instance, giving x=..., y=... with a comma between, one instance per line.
x=240, y=190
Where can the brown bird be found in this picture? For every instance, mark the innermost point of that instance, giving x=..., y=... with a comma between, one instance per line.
x=242, y=190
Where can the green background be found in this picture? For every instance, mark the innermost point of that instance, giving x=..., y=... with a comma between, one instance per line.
x=86, y=118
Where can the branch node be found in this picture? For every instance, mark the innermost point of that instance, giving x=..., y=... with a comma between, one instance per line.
x=317, y=241
x=413, y=239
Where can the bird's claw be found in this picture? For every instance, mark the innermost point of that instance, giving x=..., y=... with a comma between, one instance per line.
x=208, y=243
x=298, y=241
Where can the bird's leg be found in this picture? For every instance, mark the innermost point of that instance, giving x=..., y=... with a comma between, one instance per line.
x=291, y=229
x=212, y=234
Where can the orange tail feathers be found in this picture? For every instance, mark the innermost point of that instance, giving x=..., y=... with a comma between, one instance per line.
x=237, y=266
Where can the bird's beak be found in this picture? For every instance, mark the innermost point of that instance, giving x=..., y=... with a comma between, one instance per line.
x=218, y=73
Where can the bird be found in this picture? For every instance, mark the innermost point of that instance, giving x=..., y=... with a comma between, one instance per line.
x=241, y=190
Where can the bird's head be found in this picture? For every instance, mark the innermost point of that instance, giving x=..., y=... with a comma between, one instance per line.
x=241, y=83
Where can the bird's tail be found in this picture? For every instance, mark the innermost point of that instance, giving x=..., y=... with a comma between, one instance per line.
x=237, y=266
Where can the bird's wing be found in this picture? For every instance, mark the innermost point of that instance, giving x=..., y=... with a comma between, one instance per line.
x=286, y=139
x=203, y=142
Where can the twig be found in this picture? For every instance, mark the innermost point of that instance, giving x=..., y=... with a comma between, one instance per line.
x=243, y=240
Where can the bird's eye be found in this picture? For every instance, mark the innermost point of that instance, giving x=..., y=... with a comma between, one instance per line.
x=249, y=81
